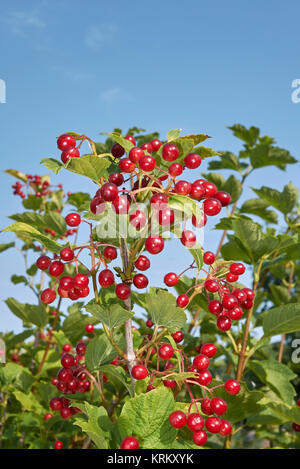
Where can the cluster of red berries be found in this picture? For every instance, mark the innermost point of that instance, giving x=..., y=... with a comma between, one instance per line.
x=67, y=144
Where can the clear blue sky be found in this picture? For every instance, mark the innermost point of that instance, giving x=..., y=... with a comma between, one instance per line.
x=90, y=66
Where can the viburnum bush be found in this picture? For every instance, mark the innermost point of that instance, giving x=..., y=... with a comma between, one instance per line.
x=107, y=361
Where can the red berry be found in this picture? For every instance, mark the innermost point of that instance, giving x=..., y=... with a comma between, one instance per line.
x=166, y=217
x=80, y=281
x=182, y=301
x=240, y=295
x=178, y=336
x=140, y=281
x=218, y=406
x=236, y=313
x=147, y=163
x=67, y=348
x=122, y=291
x=126, y=165
x=195, y=422
x=117, y=150
x=56, y=268
x=155, y=144
x=201, y=362
x=183, y=187
x=48, y=296
x=106, y=278
x=208, y=258
x=142, y=263
x=247, y=304
x=170, y=152
x=43, y=262
x=204, y=377
x=73, y=219
x=130, y=443
x=223, y=197
x=67, y=254
x=65, y=375
x=136, y=154
x=213, y=424
x=97, y=205
x=231, y=278
x=169, y=383
x=200, y=438
x=154, y=244
x=229, y=302
x=68, y=154
x=205, y=407
x=215, y=307
x=237, y=268
x=67, y=360
x=199, y=223
x=296, y=427
x=211, y=285
x=110, y=253
x=212, y=207
x=209, y=350
x=188, y=238
x=149, y=323
x=131, y=139
x=138, y=219
x=48, y=417
x=209, y=187
x=121, y=204
x=147, y=147
x=177, y=419
x=89, y=328
x=171, y=279
x=175, y=169
x=197, y=191
x=55, y=403
x=81, y=348
x=65, y=142
x=226, y=428
x=109, y=191
x=139, y=372
x=166, y=351
x=192, y=160
x=116, y=178
x=232, y=387
x=159, y=200
x=223, y=323
x=250, y=293
x=66, y=413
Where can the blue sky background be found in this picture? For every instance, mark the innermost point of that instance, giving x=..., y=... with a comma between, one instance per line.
x=91, y=66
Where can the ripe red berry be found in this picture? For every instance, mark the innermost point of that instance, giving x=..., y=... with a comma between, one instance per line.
x=80, y=281
x=166, y=351
x=138, y=219
x=159, y=200
x=182, y=301
x=205, y=407
x=296, y=427
x=250, y=293
x=188, y=238
x=89, y=328
x=209, y=350
x=121, y=204
x=58, y=444
x=170, y=152
x=171, y=279
x=140, y=281
x=147, y=163
x=116, y=178
x=169, y=383
x=237, y=268
x=68, y=154
x=48, y=417
x=215, y=307
x=195, y=422
x=236, y=313
x=48, y=296
x=66, y=413
x=213, y=424
x=218, y=406
x=131, y=139
x=200, y=438
x=73, y=219
x=65, y=375
x=106, y=278
x=199, y=223
x=223, y=197
x=229, y=302
x=117, y=150
x=142, y=263
x=65, y=142
x=201, y=362
x=178, y=336
x=210, y=188
x=154, y=244
x=67, y=360
x=122, y=291
x=55, y=403
x=247, y=304
x=67, y=254
x=211, y=285
x=139, y=372
x=192, y=160
x=212, y=207
x=109, y=191
x=182, y=187
x=130, y=443
x=225, y=428
x=232, y=387
x=43, y=262
x=166, y=216
x=231, y=278
x=197, y=191
x=223, y=323
x=149, y=323
x=66, y=348
x=204, y=377
x=136, y=154
x=126, y=165
x=97, y=205
x=208, y=258
x=177, y=419
x=110, y=253
x=240, y=295
x=81, y=348
x=73, y=294
x=175, y=169
x=56, y=268
x=147, y=147
x=155, y=144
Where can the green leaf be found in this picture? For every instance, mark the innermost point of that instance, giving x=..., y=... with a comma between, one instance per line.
x=51, y=220
x=284, y=201
x=75, y=322
x=147, y=417
x=235, y=251
x=4, y=247
x=117, y=137
x=16, y=279
x=29, y=402
x=173, y=134
x=32, y=202
x=97, y=425
x=29, y=232
x=16, y=375
x=282, y=320
x=113, y=315
x=288, y=413
x=28, y=313
x=118, y=377
x=99, y=352
x=259, y=207
x=14, y=340
x=275, y=375
x=279, y=294
x=267, y=155
x=162, y=308
x=249, y=136
x=234, y=187
x=228, y=161
x=53, y=164
x=90, y=166
x=78, y=199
